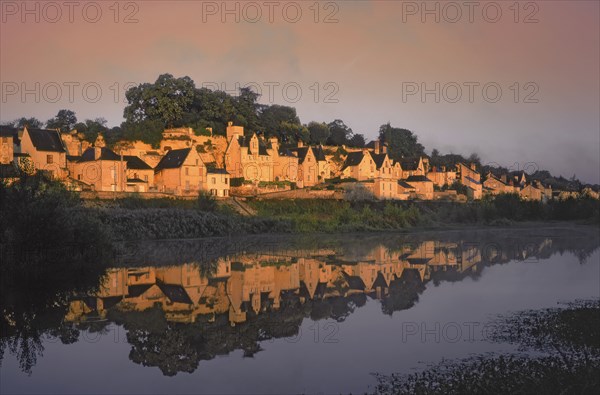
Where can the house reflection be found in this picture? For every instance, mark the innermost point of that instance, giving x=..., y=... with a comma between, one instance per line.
x=244, y=285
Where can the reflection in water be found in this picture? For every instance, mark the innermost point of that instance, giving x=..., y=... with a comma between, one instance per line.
x=186, y=301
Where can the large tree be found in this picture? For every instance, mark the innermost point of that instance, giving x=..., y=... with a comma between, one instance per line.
x=400, y=142
x=91, y=127
x=65, y=120
x=29, y=122
x=166, y=100
x=319, y=132
x=339, y=133
x=276, y=120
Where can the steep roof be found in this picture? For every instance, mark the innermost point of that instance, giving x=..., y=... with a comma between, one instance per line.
x=418, y=179
x=217, y=171
x=473, y=180
x=319, y=154
x=245, y=142
x=353, y=159
x=105, y=154
x=378, y=159
x=405, y=185
x=136, y=163
x=8, y=131
x=301, y=152
x=46, y=140
x=409, y=164
x=173, y=159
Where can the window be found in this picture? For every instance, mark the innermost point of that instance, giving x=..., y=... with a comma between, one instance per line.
x=146, y=178
x=196, y=162
x=49, y=159
x=214, y=180
x=226, y=180
x=187, y=171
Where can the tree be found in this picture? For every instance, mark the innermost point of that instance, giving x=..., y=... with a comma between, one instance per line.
x=65, y=120
x=319, y=132
x=91, y=128
x=339, y=133
x=29, y=122
x=275, y=118
x=166, y=100
x=246, y=109
x=147, y=131
x=357, y=141
x=401, y=142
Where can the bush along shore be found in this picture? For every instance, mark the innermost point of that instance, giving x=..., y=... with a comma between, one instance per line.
x=41, y=212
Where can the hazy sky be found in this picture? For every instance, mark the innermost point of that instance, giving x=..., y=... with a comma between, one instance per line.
x=518, y=84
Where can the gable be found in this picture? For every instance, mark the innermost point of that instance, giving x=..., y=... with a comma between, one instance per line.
x=45, y=140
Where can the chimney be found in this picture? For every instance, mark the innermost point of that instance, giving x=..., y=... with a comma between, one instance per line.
x=383, y=148
x=473, y=166
x=274, y=143
x=377, y=144
x=443, y=168
x=210, y=131
x=503, y=178
x=300, y=144
x=97, y=153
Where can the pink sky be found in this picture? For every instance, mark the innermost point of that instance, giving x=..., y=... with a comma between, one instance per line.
x=373, y=52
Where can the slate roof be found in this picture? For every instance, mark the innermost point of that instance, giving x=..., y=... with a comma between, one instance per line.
x=46, y=140
x=105, y=154
x=301, y=152
x=473, y=180
x=135, y=181
x=217, y=171
x=73, y=158
x=353, y=159
x=8, y=131
x=378, y=159
x=409, y=164
x=245, y=142
x=418, y=179
x=405, y=185
x=287, y=152
x=319, y=154
x=173, y=159
x=136, y=163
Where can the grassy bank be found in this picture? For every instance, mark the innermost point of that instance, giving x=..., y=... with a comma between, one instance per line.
x=40, y=214
x=342, y=216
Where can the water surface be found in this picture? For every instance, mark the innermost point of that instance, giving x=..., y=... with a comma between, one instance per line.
x=288, y=314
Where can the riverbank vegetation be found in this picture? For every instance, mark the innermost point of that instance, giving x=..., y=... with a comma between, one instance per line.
x=39, y=214
x=567, y=337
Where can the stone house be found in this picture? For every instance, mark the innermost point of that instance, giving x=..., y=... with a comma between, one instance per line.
x=140, y=175
x=312, y=166
x=217, y=182
x=100, y=168
x=469, y=177
x=423, y=186
x=247, y=157
x=441, y=177
x=180, y=172
x=46, y=150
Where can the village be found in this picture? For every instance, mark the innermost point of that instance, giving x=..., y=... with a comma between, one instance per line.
x=247, y=164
